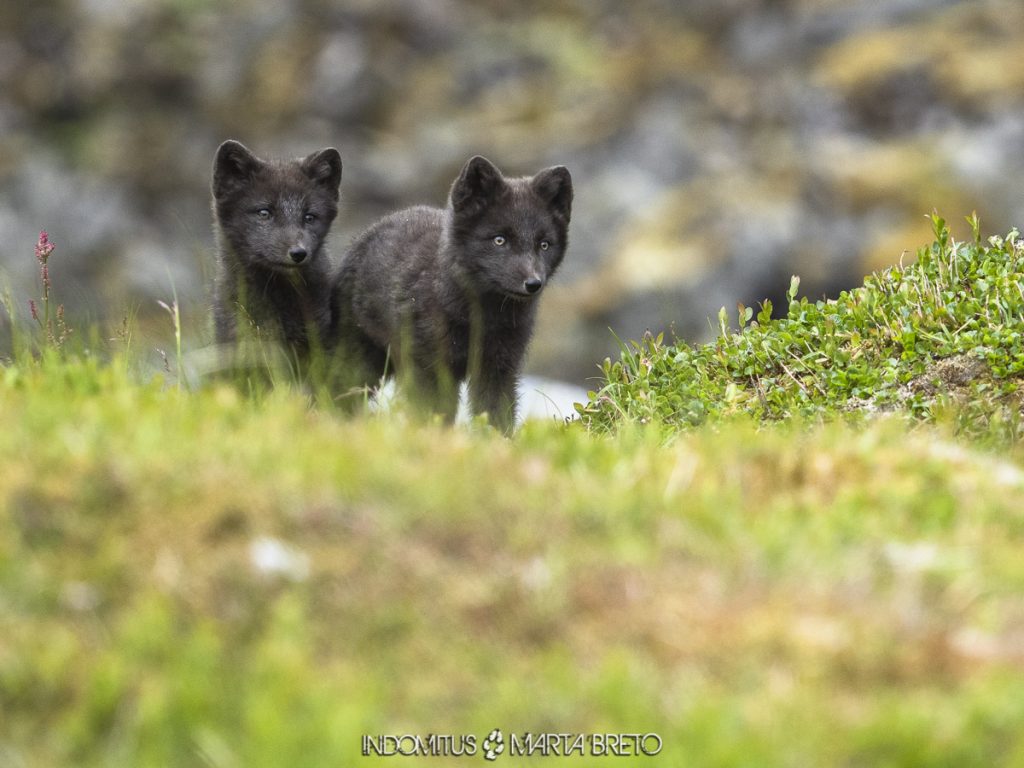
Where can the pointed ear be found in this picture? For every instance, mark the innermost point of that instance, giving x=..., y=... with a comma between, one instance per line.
x=234, y=166
x=554, y=186
x=479, y=184
x=324, y=167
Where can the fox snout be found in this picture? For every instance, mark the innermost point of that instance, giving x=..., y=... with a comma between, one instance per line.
x=297, y=246
x=524, y=279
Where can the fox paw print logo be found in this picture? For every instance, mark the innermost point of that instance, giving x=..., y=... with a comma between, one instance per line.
x=493, y=745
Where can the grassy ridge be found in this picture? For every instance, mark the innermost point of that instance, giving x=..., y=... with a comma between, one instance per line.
x=219, y=579
x=946, y=329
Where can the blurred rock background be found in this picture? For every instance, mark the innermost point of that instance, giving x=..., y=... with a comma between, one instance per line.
x=717, y=146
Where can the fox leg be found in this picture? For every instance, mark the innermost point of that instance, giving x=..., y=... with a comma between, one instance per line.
x=493, y=392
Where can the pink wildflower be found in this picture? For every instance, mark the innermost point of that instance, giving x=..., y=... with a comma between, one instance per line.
x=44, y=247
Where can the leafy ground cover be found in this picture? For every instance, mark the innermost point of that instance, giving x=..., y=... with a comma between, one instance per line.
x=215, y=578
x=943, y=330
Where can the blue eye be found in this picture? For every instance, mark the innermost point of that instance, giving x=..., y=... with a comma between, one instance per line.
x=499, y=241
x=544, y=245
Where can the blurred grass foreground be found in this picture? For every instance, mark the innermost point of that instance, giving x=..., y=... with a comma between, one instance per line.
x=209, y=578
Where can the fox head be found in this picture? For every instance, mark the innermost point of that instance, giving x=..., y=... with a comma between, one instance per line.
x=275, y=215
x=508, y=236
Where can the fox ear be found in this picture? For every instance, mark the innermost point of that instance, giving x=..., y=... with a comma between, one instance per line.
x=478, y=185
x=324, y=167
x=554, y=186
x=235, y=165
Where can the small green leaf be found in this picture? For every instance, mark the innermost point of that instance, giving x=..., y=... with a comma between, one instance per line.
x=794, y=286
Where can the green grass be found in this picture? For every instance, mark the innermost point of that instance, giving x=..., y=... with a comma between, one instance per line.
x=765, y=589
x=947, y=329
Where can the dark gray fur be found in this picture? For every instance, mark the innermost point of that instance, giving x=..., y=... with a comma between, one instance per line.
x=431, y=291
x=271, y=220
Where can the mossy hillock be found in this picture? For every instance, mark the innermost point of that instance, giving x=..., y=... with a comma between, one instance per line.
x=941, y=334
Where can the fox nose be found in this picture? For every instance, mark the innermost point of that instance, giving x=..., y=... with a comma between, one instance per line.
x=297, y=254
x=533, y=285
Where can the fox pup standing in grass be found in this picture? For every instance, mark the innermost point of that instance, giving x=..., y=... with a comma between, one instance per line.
x=446, y=294
x=271, y=221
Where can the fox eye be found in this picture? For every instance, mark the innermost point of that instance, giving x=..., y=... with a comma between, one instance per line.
x=499, y=240
x=309, y=218
x=544, y=245
x=263, y=213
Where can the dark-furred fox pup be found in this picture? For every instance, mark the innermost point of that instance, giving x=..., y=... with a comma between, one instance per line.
x=271, y=220
x=447, y=294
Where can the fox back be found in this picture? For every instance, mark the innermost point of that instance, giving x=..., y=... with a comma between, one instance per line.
x=272, y=220
x=452, y=293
